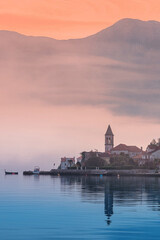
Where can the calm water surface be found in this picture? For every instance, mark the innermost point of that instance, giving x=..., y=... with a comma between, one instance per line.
x=44, y=207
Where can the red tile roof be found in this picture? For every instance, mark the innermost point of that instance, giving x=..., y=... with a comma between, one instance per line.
x=123, y=147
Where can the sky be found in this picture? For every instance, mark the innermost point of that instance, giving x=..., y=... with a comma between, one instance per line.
x=63, y=19
x=56, y=104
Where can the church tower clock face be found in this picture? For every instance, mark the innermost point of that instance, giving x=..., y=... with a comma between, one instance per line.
x=109, y=139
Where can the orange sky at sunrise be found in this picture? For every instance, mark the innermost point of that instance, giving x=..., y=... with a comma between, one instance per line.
x=64, y=19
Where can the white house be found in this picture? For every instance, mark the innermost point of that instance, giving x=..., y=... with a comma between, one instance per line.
x=155, y=154
x=67, y=162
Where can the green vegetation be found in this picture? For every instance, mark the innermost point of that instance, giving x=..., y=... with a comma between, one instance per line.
x=122, y=160
x=118, y=162
x=95, y=162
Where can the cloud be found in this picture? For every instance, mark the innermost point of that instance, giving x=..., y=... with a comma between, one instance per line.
x=125, y=89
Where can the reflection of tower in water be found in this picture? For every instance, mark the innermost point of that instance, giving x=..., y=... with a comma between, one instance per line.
x=108, y=203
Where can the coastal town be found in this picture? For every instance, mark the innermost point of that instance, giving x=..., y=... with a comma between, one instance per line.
x=121, y=156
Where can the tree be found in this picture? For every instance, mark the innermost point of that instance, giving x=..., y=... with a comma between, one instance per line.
x=78, y=164
x=153, y=142
x=121, y=160
x=94, y=162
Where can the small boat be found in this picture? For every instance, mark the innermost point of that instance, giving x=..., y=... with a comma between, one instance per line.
x=36, y=170
x=11, y=173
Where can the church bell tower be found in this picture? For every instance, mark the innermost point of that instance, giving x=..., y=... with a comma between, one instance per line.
x=109, y=139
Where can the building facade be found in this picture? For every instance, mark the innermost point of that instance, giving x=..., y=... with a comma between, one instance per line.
x=109, y=139
x=155, y=154
x=132, y=151
x=67, y=162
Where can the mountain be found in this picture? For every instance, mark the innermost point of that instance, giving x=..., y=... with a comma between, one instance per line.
x=130, y=30
x=117, y=68
x=127, y=39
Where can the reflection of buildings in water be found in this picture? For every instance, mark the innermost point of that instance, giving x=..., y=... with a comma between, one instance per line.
x=36, y=177
x=108, y=203
x=70, y=184
x=126, y=191
x=92, y=190
x=71, y=180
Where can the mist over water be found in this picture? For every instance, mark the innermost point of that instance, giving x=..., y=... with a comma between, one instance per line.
x=45, y=207
x=51, y=91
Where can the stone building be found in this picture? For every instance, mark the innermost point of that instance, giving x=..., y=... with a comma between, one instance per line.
x=132, y=151
x=109, y=139
x=92, y=154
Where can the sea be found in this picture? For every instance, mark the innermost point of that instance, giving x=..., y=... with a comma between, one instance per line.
x=58, y=207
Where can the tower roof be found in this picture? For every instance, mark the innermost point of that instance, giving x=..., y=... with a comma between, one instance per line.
x=109, y=131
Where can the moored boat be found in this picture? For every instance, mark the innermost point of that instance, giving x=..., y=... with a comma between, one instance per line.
x=11, y=173
x=36, y=170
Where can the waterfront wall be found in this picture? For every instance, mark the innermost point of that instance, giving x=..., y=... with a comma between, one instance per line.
x=133, y=172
